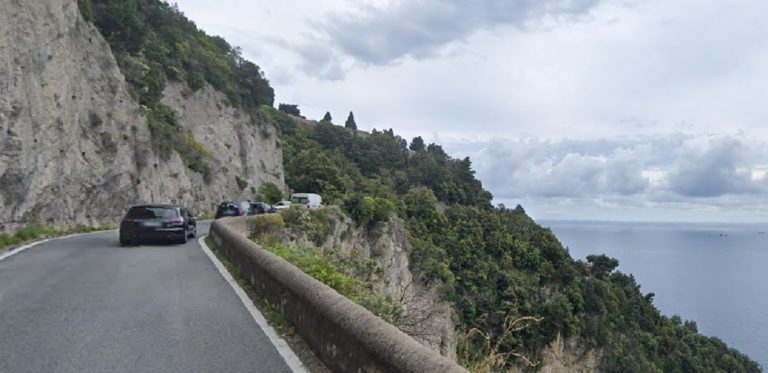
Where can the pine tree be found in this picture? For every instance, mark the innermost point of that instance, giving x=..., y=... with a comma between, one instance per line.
x=417, y=144
x=350, y=123
x=327, y=117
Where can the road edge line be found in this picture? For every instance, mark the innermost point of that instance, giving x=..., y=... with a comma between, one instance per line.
x=285, y=351
x=22, y=248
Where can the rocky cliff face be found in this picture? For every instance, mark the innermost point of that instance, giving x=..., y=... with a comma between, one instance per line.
x=428, y=316
x=75, y=147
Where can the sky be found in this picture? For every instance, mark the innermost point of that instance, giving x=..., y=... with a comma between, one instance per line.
x=576, y=109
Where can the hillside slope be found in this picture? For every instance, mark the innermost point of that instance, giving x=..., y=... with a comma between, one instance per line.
x=521, y=301
x=76, y=145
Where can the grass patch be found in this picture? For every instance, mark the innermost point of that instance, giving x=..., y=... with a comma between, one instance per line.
x=317, y=223
x=328, y=268
x=205, y=216
x=352, y=276
x=34, y=232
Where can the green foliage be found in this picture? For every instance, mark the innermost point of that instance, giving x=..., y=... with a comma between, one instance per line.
x=327, y=268
x=290, y=109
x=417, y=144
x=167, y=135
x=602, y=265
x=367, y=210
x=334, y=162
x=352, y=277
x=325, y=173
x=268, y=229
x=158, y=35
x=316, y=223
x=350, y=123
x=153, y=43
x=34, y=232
x=327, y=117
x=494, y=263
x=270, y=193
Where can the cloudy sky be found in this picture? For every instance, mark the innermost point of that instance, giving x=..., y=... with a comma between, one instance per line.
x=577, y=109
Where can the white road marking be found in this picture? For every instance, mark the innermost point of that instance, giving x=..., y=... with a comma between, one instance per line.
x=19, y=249
x=22, y=248
x=282, y=347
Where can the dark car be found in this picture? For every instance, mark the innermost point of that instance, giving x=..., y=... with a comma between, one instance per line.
x=157, y=222
x=232, y=209
x=259, y=208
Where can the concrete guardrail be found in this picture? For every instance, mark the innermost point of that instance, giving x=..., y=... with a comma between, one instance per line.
x=346, y=336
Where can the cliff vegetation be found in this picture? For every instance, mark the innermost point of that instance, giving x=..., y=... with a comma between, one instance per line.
x=153, y=43
x=495, y=264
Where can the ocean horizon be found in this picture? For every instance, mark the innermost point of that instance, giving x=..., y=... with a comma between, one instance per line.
x=711, y=273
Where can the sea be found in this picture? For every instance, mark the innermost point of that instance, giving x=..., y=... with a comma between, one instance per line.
x=713, y=274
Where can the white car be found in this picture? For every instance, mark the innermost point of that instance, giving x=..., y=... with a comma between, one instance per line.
x=308, y=200
x=282, y=205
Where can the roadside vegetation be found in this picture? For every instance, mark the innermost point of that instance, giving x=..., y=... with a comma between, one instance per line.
x=352, y=277
x=495, y=264
x=35, y=232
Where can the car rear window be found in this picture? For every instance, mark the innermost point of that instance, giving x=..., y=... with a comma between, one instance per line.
x=146, y=212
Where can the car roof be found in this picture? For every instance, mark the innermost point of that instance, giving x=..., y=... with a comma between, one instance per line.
x=158, y=205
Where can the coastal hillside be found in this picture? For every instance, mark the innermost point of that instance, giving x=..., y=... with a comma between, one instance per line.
x=106, y=103
x=89, y=125
x=521, y=301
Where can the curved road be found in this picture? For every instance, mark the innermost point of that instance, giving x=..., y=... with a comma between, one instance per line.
x=85, y=304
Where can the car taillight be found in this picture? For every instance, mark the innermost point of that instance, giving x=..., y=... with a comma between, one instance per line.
x=176, y=221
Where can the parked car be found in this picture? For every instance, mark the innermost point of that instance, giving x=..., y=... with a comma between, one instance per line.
x=282, y=205
x=259, y=208
x=157, y=222
x=308, y=200
x=227, y=208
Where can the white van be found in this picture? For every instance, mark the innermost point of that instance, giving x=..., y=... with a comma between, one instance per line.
x=310, y=200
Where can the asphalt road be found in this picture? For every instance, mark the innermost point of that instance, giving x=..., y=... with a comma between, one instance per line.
x=85, y=304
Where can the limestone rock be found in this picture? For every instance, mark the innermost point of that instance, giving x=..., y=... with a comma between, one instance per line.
x=75, y=147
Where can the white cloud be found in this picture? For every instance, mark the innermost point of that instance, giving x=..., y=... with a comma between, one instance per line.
x=647, y=109
x=419, y=28
x=677, y=176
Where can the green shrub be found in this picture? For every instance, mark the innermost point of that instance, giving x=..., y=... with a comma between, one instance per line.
x=289, y=109
x=367, y=210
x=317, y=224
x=292, y=216
x=34, y=232
x=268, y=229
x=327, y=268
x=270, y=193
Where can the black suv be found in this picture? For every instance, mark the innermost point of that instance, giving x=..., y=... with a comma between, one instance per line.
x=157, y=222
x=259, y=208
x=232, y=209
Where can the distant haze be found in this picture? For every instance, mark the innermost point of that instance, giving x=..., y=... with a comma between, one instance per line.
x=576, y=109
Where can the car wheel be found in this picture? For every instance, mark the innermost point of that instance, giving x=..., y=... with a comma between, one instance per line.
x=124, y=241
x=184, y=237
x=192, y=233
